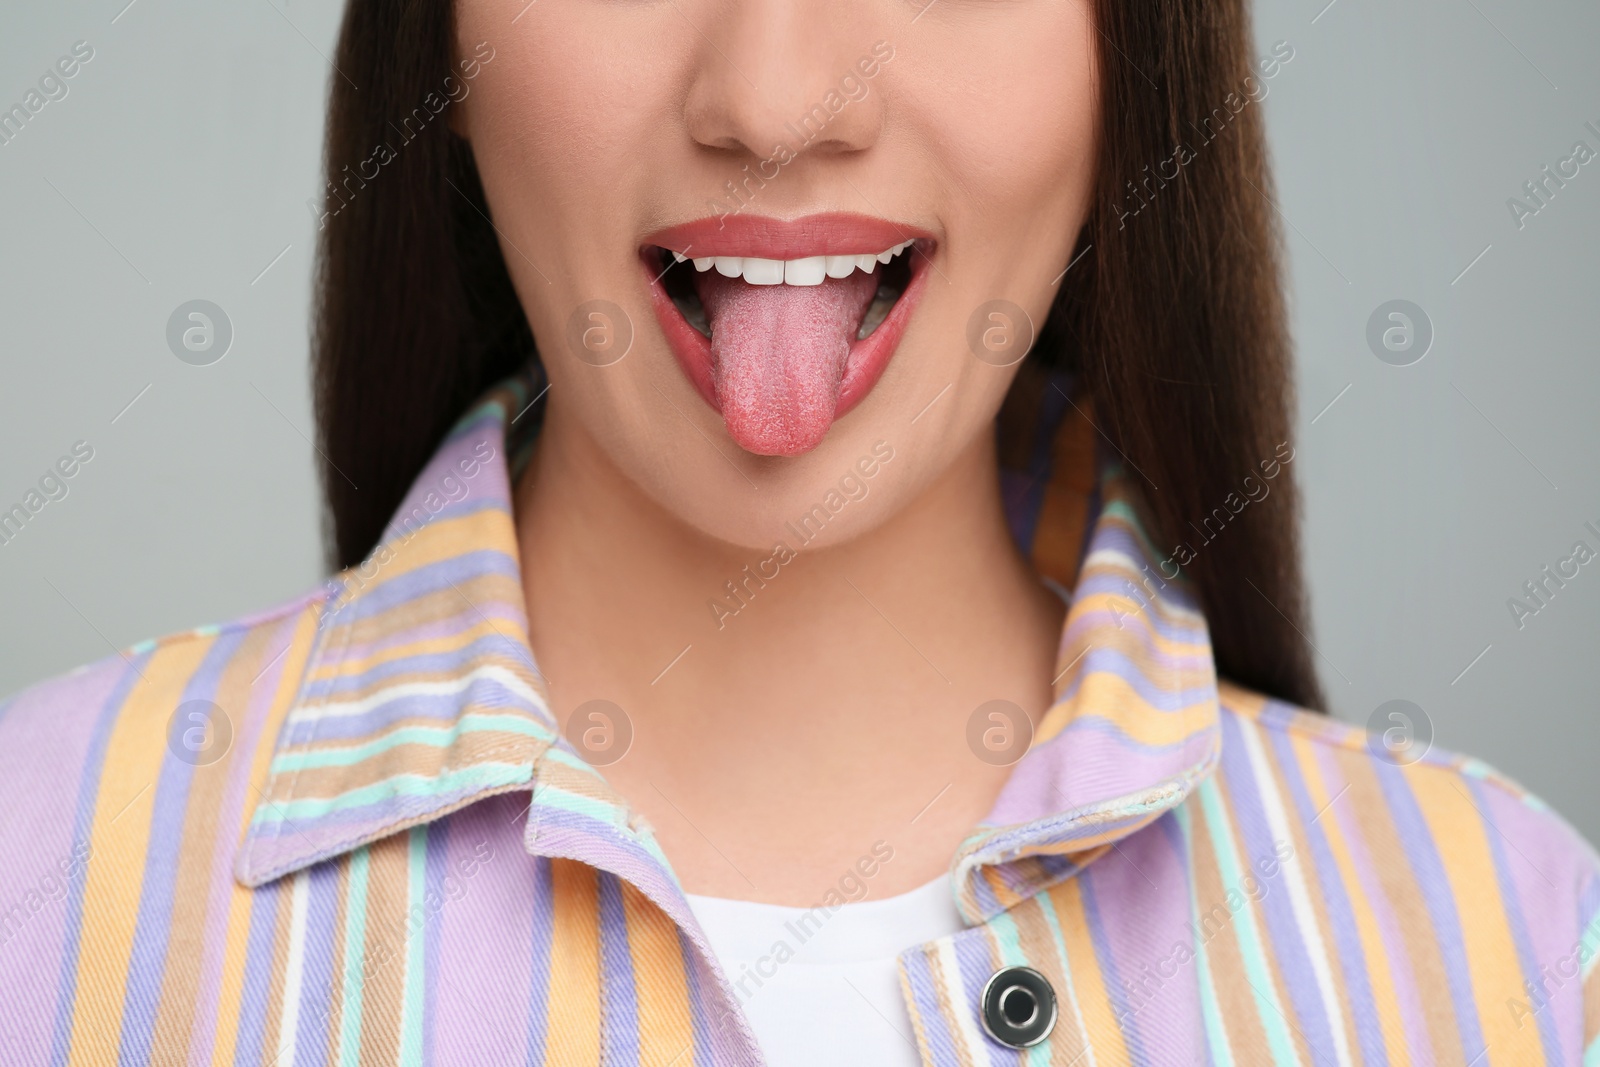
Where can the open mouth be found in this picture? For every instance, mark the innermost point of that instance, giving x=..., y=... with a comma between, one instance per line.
x=785, y=343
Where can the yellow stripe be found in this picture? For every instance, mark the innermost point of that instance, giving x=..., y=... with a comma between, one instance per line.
x=230, y=995
x=1460, y=834
x=1241, y=702
x=666, y=1028
x=394, y=653
x=1374, y=952
x=1591, y=1017
x=439, y=540
x=1088, y=980
x=1137, y=616
x=572, y=1010
x=120, y=836
x=1004, y=895
x=1114, y=700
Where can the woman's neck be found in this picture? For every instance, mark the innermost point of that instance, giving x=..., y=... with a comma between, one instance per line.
x=823, y=709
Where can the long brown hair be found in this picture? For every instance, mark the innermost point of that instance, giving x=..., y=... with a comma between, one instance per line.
x=1171, y=315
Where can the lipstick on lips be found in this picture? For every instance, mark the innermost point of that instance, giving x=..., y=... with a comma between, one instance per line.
x=784, y=325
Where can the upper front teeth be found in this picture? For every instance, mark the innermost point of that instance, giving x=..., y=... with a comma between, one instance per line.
x=808, y=271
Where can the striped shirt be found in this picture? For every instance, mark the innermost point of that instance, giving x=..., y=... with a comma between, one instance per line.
x=350, y=831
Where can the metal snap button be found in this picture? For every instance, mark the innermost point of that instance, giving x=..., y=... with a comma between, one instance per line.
x=1018, y=1007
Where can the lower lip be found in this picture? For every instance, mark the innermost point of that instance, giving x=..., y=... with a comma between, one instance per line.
x=869, y=356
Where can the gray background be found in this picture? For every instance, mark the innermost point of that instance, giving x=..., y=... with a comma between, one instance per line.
x=179, y=165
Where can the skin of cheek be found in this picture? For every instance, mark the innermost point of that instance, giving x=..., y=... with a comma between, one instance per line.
x=998, y=179
x=580, y=137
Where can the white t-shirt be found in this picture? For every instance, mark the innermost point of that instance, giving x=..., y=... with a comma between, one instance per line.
x=822, y=987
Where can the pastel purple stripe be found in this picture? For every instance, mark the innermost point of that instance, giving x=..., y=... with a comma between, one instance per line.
x=1528, y=956
x=392, y=592
x=1111, y=970
x=1414, y=1025
x=563, y=834
x=619, y=1013
x=1292, y=956
x=40, y=742
x=274, y=848
x=488, y=694
x=477, y=941
x=478, y=437
x=236, y=793
x=1090, y=770
x=925, y=1004
x=555, y=832
x=152, y=930
x=541, y=935
x=431, y=629
x=709, y=1026
x=439, y=883
x=1435, y=889
x=322, y=935
x=1080, y=769
x=976, y=960
x=250, y=1043
x=1152, y=679
x=1102, y=621
x=1352, y=961
x=1141, y=900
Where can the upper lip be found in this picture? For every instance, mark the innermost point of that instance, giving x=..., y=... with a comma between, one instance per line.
x=827, y=234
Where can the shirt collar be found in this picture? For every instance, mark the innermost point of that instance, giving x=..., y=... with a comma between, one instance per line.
x=421, y=694
x=1134, y=727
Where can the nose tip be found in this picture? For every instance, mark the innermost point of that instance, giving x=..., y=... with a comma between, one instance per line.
x=782, y=79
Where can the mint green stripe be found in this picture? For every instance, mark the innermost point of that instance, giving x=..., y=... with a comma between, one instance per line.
x=411, y=1006
x=355, y=948
x=567, y=759
x=1047, y=907
x=437, y=736
x=1210, y=1010
x=1003, y=929
x=1258, y=970
x=483, y=776
x=1589, y=939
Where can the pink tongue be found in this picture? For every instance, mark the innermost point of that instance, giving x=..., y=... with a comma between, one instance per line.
x=778, y=354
